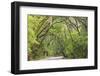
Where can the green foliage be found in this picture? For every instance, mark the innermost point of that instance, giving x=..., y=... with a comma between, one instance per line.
x=78, y=47
x=51, y=36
